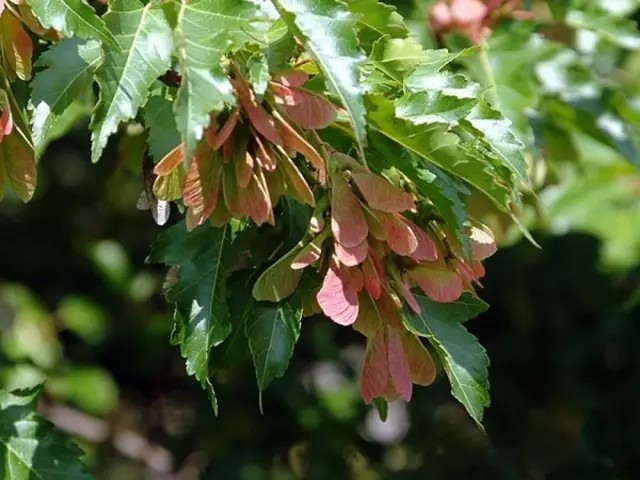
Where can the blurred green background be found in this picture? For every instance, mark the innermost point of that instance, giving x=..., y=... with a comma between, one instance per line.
x=80, y=308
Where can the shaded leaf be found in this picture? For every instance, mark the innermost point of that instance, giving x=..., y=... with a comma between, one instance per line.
x=272, y=332
x=30, y=446
x=163, y=133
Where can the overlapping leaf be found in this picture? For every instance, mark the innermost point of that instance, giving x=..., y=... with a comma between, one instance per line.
x=30, y=447
x=163, y=133
x=73, y=17
x=202, y=316
x=68, y=74
x=126, y=74
x=376, y=19
x=204, y=32
x=327, y=29
x=434, y=144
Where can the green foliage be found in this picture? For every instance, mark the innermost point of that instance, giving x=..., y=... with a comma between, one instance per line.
x=125, y=75
x=247, y=108
x=198, y=290
x=73, y=17
x=328, y=31
x=463, y=358
x=30, y=447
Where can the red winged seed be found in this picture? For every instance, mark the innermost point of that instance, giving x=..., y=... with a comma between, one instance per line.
x=170, y=162
x=399, y=366
x=375, y=369
x=400, y=237
x=347, y=220
x=225, y=132
x=351, y=256
x=381, y=194
x=337, y=300
x=427, y=250
x=440, y=285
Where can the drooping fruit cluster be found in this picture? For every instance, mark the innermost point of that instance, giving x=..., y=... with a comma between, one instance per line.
x=364, y=236
x=374, y=255
x=246, y=164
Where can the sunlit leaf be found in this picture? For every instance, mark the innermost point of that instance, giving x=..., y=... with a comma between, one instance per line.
x=327, y=29
x=202, y=316
x=126, y=74
x=73, y=17
x=68, y=74
x=205, y=30
x=462, y=357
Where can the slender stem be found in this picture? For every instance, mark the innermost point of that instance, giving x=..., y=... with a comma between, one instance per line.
x=488, y=79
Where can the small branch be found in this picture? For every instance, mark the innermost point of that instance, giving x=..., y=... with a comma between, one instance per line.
x=488, y=79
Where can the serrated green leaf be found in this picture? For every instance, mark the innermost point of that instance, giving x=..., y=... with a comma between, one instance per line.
x=126, y=75
x=463, y=358
x=443, y=98
x=206, y=29
x=445, y=150
x=328, y=31
x=272, y=332
x=67, y=76
x=396, y=57
x=202, y=314
x=159, y=119
x=496, y=130
x=30, y=447
x=376, y=19
x=72, y=17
